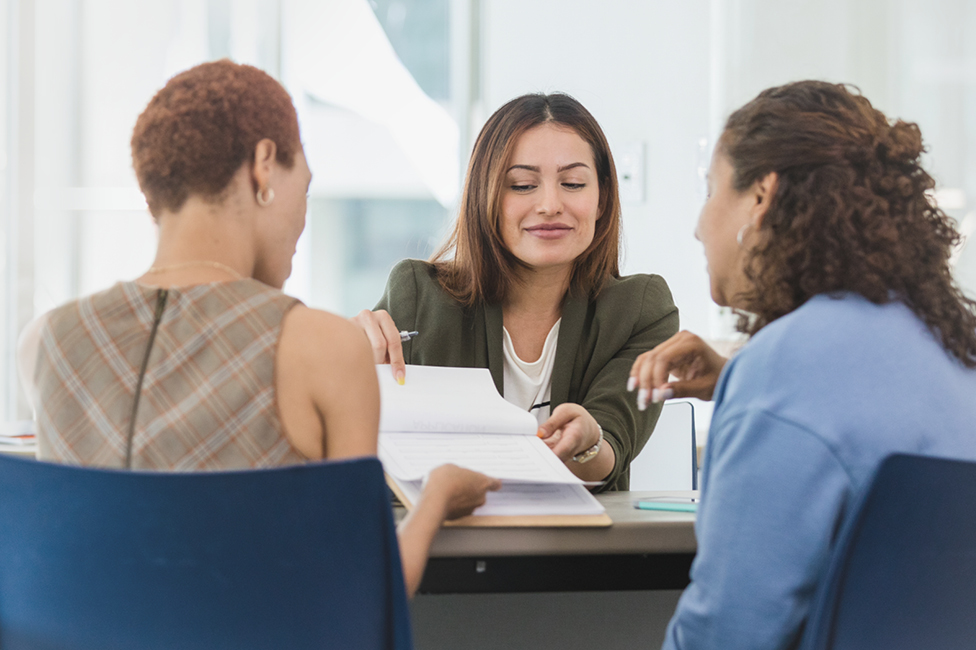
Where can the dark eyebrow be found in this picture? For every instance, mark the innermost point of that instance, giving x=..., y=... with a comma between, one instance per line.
x=572, y=166
x=532, y=168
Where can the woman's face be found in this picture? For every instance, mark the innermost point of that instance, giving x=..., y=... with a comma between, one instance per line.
x=551, y=198
x=284, y=220
x=725, y=213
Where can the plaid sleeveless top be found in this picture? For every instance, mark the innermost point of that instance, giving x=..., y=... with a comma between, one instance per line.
x=164, y=379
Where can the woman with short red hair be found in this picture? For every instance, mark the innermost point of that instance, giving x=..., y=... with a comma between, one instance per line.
x=202, y=363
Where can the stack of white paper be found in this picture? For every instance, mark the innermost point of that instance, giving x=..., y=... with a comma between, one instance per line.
x=455, y=415
x=18, y=437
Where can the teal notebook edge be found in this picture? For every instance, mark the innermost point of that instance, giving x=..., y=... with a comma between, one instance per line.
x=650, y=504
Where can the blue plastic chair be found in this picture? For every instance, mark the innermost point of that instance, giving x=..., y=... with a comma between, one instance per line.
x=297, y=557
x=903, y=575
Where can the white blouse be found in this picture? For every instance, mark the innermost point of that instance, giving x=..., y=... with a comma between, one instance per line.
x=527, y=385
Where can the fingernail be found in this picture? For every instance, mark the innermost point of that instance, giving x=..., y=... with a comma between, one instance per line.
x=541, y=433
x=661, y=394
x=631, y=384
x=642, y=399
x=401, y=377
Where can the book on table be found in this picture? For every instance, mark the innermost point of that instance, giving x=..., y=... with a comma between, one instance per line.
x=455, y=415
x=18, y=438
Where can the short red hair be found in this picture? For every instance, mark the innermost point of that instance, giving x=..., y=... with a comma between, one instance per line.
x=203, y=125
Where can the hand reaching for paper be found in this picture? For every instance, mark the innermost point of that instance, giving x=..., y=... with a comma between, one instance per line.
x=686, y=356
x=461, y=489
x=450, y=492
x=384, y=339
x=570, y=430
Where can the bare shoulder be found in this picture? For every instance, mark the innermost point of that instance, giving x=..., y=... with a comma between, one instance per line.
x=325, y=355
x=319, y=336
x=328, y=392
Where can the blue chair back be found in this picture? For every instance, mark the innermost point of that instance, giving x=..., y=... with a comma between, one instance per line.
x=903, y=575
x=297, y=557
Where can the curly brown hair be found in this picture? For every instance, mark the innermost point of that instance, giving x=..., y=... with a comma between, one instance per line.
x=851, y=211
x=474, y=266
x=203, y=125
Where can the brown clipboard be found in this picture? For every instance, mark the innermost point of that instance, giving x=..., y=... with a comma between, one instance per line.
x=513, y=521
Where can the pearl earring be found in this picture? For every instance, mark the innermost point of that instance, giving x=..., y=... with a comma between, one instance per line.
x=265, y=201
x=741, y=234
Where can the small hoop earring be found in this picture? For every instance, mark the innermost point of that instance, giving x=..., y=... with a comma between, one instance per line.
x=741, y=234
x=262, y=201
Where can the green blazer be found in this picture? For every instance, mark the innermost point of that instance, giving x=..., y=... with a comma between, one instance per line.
x=598, y=342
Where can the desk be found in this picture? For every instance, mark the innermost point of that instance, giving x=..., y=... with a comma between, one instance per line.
x=564, y=588
x=643, y=550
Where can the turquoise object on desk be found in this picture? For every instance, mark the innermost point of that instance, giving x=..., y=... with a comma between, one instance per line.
x=666, y=505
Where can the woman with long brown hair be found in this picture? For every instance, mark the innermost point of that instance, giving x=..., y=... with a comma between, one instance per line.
x=820, y=228
x=528, y=286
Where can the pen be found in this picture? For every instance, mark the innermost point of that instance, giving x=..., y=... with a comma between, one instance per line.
x=406, y=336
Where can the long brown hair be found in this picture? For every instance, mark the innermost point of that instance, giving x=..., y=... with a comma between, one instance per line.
x=851, y=211
x=473, y=265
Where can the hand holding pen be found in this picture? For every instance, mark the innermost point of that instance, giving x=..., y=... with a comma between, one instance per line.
x=385, y=339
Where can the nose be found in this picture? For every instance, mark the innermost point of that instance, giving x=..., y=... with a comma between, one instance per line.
x=550, y=202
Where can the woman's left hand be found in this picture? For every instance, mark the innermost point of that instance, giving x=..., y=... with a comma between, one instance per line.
x=569, y=431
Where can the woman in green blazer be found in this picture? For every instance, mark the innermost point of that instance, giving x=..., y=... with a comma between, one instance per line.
x=528, y=286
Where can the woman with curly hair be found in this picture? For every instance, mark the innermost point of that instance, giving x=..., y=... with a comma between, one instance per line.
x=819, y=225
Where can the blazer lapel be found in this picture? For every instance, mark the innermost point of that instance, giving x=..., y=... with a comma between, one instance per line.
x=570, y=332
x=496, y=360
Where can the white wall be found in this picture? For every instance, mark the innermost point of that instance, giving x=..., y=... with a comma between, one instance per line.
x=668, y=73
x=98, y=64
x=661, y=73
x=97, y=68
x=914, y=59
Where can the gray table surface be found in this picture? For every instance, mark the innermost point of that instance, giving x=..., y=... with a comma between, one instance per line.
x=633, y=532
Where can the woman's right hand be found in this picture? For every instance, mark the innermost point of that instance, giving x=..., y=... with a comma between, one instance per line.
x=449, y=492
x=384, y=338
x=684, y=355
x=460, y=490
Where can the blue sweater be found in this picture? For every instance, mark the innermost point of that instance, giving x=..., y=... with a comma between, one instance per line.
x=804, y=415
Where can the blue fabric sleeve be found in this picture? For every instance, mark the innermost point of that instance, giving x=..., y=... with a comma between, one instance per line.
x=775, y=496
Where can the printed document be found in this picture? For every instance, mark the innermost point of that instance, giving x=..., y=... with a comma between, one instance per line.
x=455, y=415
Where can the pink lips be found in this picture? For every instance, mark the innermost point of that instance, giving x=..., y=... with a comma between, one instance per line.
x=549, y=230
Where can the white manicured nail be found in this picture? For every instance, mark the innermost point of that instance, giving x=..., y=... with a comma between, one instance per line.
x=661, y=394
x=642, y=399
x=631, y=384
